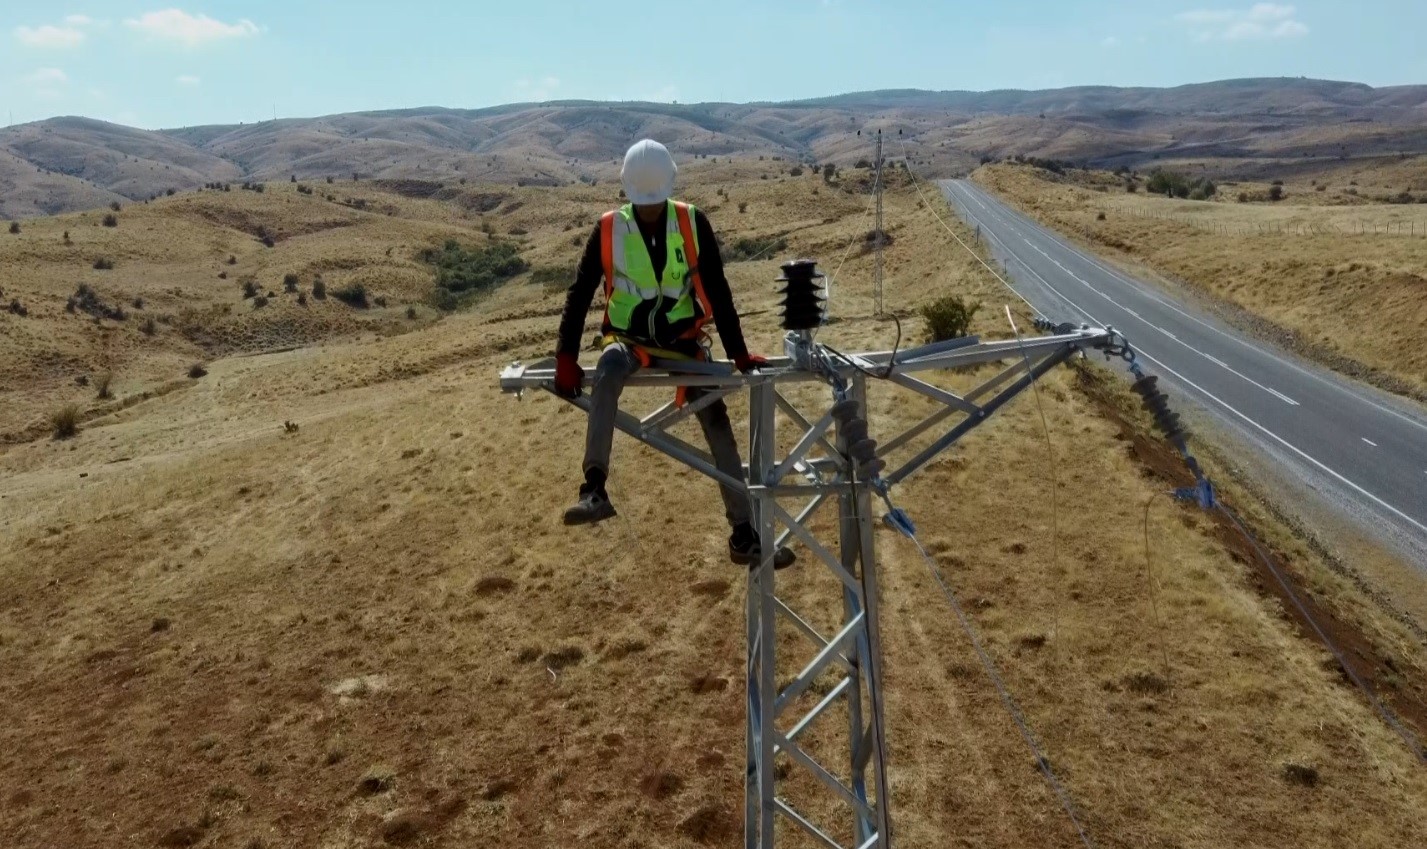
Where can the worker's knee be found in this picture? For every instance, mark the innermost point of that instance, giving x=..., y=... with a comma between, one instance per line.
x=615, y=364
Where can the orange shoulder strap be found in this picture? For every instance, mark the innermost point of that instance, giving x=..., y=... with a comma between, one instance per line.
x=691, y=247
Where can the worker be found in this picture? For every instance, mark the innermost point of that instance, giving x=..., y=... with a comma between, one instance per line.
x=663, y=281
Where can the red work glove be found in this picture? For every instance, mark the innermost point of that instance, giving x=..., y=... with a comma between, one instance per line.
x=749, y=363
x=569, y=377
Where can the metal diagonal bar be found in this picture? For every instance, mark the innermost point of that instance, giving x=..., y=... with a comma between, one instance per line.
x=816, y=547
x=870, y=842
x=850, y=632
x=906, y=355
x=917, y=430
x=818, y=709
x=990, y=407
x=782, y=743
x=809, y=631
x=814, y=434
x=666, y=418
x=994, y=383
x=803, y=516
x=936, y=393
x=673, y=446
x=800, y=420
x=806, y=825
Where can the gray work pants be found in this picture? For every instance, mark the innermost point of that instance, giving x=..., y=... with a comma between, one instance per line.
x=616, y=364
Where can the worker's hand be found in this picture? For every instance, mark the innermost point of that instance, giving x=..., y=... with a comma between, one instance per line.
x=749, y=363
x=569, y=377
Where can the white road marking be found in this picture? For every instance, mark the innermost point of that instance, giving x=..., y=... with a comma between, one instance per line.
x=1267, y=353
x=1369, y=441
x=1216, y=399
x=1270, y=390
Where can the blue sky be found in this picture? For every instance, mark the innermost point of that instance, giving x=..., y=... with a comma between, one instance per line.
x=152, y=65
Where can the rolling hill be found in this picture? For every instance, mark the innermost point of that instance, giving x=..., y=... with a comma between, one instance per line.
x=70, y=163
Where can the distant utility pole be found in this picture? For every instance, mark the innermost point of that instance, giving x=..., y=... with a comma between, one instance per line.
x=877, y=234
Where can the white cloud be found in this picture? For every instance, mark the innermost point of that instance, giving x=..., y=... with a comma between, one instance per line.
x=536, y=90
x=187, y=79
x=1258, y=22
x=189, y=30
x=46, y=76
x=49, y=36
x=78, y=20
x=1110, y=41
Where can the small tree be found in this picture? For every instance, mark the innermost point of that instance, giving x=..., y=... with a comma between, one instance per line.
x=949, y=317
x=1275, y=192
x=829, y=171
x=289, y=282
x=319, y=289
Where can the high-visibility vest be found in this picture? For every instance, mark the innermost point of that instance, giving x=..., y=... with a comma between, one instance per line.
x=666, y=307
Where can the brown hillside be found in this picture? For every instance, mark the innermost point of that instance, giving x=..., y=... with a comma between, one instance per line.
x=369, y=628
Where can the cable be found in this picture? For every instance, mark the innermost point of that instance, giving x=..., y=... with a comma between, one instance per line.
x=1387, y=715
x=1006, y=698
x=1054, y=476
x=1149, y=581
x=907, y=161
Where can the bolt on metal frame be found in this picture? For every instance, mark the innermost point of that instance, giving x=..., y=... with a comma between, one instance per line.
x=778, y=717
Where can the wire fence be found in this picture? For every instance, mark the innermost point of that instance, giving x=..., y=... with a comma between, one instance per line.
x=1406, y=229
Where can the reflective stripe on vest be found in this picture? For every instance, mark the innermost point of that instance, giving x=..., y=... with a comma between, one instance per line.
x=630, y=280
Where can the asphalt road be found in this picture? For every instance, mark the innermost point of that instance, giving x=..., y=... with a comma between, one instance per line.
x=1361, y=451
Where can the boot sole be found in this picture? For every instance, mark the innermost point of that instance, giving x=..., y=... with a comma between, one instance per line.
x=590, y=518
x=746, y=560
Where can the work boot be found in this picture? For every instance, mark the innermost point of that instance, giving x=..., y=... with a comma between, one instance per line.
x=594, y=505
x=745, y=549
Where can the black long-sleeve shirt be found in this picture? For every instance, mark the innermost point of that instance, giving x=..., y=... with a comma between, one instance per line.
x=591, y=272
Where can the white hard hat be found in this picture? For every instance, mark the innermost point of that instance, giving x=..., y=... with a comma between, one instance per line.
x=648, y=173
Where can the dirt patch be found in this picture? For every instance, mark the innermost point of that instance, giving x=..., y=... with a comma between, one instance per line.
x=1370, y=663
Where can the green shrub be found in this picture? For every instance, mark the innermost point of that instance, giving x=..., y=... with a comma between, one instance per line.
x=354, y=295
x=1173, y=184
x=110, y=220
x=461, y=269
x=949, y=317
x=103, y=264
x=319, y=289
x=759, y=248
x=551, y=276
x=197, y=370
x=250, y=288
x=102, y=385
x=289, y=282
x=15, y=227
x=1275, y=192
x=114, y=205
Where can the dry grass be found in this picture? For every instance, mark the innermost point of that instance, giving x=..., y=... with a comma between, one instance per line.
x=1345, y=283
x=534, y=685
